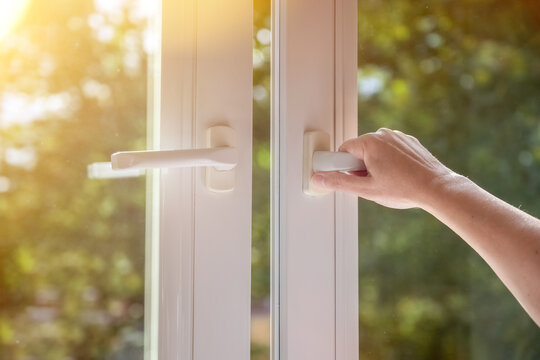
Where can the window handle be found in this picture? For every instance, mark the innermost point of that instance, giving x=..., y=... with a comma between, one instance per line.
x=317, y=157
x=336, y=161
x=222, y=158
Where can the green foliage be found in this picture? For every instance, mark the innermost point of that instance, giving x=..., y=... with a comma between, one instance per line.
x=71, y=248
x=260, y=255
x=464, y=77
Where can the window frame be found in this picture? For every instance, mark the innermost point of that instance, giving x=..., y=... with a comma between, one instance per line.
x=346, y=127
x=183, y=278
x=199, y=242
x=331, y=49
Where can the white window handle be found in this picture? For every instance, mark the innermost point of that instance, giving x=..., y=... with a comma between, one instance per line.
x=317, y=157
x=219, y=154
x=222, y=158
x=336, y=161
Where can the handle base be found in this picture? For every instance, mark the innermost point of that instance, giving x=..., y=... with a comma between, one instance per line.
x=220, y=179
x=313, y=141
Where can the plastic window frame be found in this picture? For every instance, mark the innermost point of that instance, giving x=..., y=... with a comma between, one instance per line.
x=340, y=342
x=192, y=242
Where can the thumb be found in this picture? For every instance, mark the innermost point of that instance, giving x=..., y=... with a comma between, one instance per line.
x=335, y=180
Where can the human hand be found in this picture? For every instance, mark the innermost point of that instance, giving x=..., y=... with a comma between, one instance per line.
x=401, y=173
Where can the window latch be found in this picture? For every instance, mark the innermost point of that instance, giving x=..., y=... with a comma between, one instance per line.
x=220, y=158
x=336, y=161
x=318, y=157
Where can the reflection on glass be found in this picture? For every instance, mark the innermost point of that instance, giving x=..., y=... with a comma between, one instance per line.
x=72, y=91
x=260, y=273
x=464, y=77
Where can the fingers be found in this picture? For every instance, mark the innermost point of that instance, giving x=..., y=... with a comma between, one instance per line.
x=335, y=180
x=356, y=146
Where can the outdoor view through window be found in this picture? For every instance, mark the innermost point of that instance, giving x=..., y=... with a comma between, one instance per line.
x=464, y=77
x=72, y=91
x=260, y=255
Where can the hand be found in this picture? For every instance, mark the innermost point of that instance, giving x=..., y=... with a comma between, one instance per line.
x=400, y=171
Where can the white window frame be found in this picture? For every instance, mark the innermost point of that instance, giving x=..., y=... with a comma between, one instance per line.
x=199, y=248
x=314, y=240
x=199, y=242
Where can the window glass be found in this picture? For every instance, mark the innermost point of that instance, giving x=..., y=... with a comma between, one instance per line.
x=463, y=77
x=73, y=90
x=260, y=274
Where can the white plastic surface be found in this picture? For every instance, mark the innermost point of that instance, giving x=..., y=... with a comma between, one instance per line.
x=314, y=239
x=313, y=141
x=306, y=232
x=224, y=158
x=201, y=254
x=220, y=158
x=221, y=178
x=104, y=170
x=336, y=161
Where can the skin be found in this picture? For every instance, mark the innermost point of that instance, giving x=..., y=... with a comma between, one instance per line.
x=403, y=174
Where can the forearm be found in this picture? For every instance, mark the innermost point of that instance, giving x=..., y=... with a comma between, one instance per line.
x=508, y=239
x=401, y=174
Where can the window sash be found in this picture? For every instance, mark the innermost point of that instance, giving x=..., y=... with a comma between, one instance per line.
x=314, y=240
x=199, y=263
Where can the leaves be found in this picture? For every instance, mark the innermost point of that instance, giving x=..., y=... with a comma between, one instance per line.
x=465, y=87
x=72, y=248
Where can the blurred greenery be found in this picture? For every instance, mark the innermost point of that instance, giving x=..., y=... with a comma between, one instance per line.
x=261, y=154
x=463, y=77
x=72, y=91
x=260, y=255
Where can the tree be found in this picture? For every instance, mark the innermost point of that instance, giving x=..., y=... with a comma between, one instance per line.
x=464, y=77
x=71, y=248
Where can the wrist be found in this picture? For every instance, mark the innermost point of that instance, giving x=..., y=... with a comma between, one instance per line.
x=437, y=192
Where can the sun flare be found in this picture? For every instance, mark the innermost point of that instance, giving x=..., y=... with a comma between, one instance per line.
x=11, y=12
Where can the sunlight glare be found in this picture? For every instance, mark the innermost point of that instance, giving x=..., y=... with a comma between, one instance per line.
x=11, y=12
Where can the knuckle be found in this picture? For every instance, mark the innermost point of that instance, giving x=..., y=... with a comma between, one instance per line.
x=352, y=143
x=383, y=131
x=371, y=141
x=376, y=146
x=413, y=139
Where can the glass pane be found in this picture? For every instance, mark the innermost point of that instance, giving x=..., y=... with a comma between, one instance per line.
x=463, y=77
x=73, y=90
x=260, y=274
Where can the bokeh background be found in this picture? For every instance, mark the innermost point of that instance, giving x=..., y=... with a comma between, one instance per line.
x=463, y=77
x=72, y=91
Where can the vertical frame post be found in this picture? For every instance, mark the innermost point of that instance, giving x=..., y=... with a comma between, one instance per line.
x=201, y=261
x=222, y=261
x=177, y=238
x=314, y=240
x=346, y=206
